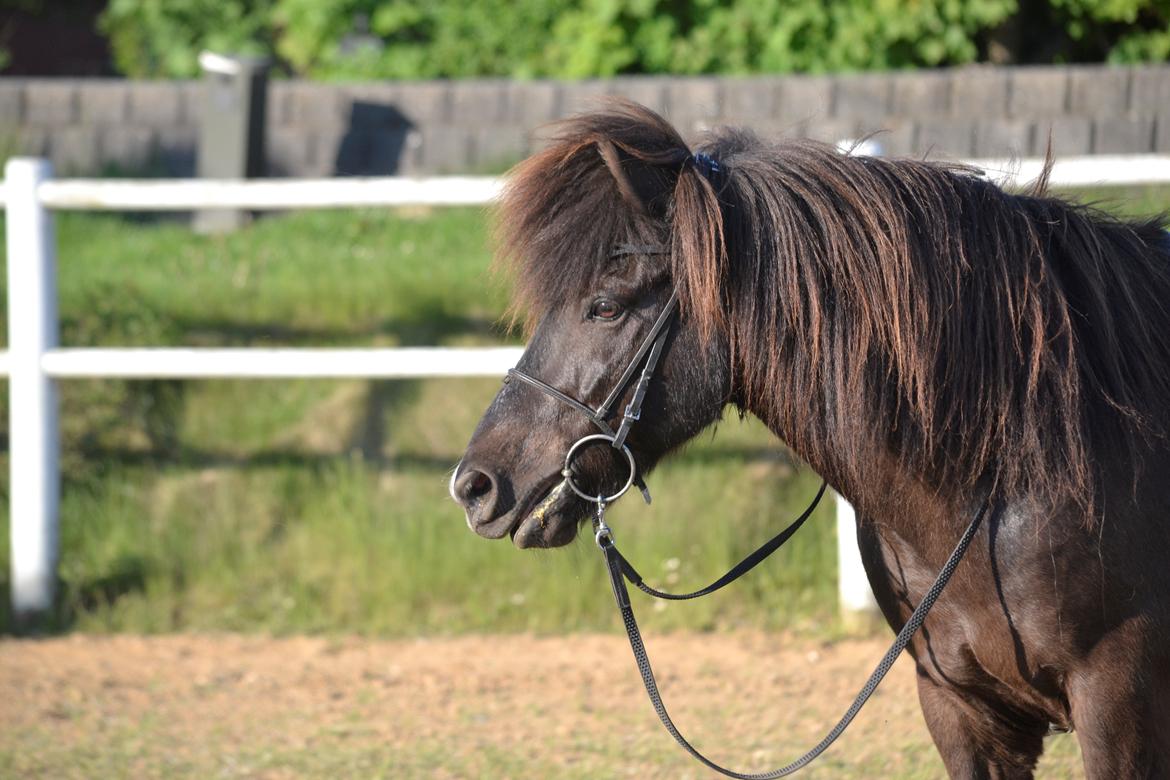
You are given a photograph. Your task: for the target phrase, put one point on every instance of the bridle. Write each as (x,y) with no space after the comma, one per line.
(650,350)
(621,570)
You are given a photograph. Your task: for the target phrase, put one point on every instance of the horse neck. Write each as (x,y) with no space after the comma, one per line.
(884,490)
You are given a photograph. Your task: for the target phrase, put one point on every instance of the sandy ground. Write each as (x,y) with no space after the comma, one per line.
(506,706)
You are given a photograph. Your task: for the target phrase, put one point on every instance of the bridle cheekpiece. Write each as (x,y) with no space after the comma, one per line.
(649,351)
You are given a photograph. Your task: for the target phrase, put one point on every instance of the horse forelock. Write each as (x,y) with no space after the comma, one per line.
(904,305)
(562,212)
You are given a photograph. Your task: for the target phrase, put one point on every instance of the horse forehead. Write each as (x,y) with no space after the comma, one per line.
(634,269)
(629,272)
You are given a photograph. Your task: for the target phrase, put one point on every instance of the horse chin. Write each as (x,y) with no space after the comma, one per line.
(551,523)
(556,532)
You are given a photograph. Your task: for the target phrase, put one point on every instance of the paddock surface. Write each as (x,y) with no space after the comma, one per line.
(477,706)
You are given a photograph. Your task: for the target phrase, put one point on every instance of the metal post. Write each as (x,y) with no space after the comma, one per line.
(858,607)
(32,426)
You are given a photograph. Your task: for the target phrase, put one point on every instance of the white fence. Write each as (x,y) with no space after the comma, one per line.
(34,362)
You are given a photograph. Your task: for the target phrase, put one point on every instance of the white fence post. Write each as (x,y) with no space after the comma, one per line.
(32,396)
(857,603)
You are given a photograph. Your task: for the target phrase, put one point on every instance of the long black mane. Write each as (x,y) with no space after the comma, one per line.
(900,304)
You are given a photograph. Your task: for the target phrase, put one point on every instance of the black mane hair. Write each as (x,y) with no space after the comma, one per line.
(901,304)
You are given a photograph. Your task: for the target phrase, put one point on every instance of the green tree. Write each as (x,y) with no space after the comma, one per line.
(372,39)
(163,38)
(416,39)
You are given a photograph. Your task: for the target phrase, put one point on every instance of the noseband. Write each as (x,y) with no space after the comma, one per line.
(650,350)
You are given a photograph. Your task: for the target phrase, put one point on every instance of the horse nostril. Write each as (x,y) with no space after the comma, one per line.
(479,485)
(473,485)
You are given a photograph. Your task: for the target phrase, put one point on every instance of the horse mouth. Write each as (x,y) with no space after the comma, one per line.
(546,521)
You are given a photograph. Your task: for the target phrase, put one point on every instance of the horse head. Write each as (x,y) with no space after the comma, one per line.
(595,228)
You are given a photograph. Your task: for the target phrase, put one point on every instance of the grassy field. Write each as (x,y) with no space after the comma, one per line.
(321,506)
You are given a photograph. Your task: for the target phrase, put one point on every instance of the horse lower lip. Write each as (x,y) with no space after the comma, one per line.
(538,513)
(492,529)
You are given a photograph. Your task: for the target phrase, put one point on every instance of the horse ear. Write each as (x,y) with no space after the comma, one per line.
(646,187)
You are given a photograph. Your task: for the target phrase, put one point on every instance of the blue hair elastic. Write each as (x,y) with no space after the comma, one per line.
(706,164)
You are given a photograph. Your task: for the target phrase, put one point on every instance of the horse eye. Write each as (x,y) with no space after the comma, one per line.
(605,309)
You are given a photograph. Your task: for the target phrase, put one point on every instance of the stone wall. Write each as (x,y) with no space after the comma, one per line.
(90,126)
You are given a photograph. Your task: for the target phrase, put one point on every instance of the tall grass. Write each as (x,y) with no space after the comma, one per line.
(321,505)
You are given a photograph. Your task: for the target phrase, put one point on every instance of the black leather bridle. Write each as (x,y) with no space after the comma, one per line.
(650,350)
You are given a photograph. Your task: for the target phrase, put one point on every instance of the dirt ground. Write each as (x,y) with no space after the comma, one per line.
(497,706)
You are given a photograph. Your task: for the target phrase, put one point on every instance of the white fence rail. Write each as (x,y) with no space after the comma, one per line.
(33,361)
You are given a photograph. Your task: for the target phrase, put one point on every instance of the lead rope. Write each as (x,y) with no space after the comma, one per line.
(617,567)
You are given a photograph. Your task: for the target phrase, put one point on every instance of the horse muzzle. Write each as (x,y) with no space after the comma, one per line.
(545,515)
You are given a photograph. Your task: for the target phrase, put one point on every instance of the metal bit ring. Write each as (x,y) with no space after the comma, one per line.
(567,472)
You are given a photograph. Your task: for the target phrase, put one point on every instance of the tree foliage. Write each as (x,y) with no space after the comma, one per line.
(163,38)
(371,39)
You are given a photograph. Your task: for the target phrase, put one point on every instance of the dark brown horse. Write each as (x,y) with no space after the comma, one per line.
(926,342)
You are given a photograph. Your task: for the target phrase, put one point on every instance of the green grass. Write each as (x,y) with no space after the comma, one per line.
(321,505)
(340,543)
(322,277)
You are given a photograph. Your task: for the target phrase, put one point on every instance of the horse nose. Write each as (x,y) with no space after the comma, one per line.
(473,485)
(475,491)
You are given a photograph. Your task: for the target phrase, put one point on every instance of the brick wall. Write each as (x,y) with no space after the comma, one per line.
(94,125)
